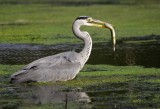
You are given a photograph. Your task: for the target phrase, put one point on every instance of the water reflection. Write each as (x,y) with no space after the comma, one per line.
(119,95)
(145,54)
(52,95)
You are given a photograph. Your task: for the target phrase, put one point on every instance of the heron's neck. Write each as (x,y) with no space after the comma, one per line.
(85,53)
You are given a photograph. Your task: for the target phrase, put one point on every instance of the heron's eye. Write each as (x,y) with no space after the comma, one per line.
(89,19)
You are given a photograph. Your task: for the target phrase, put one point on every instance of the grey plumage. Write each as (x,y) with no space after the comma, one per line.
(61,67)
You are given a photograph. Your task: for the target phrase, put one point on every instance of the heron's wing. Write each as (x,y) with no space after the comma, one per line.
(58,67)
(54,60)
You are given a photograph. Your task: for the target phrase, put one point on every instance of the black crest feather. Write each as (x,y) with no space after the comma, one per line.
(82,17)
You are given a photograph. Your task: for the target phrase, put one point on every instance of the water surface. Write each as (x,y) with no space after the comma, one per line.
(132,94)
(144,54)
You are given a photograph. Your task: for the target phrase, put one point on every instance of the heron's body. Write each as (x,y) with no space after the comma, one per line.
(61,67)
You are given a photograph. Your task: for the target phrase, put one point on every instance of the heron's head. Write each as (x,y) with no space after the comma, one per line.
(89,21)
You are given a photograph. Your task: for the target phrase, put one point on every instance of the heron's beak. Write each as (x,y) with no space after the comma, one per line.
(100,24)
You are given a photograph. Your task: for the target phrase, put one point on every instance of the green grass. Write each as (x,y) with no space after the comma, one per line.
(47,24)
(102,73)
(95,75)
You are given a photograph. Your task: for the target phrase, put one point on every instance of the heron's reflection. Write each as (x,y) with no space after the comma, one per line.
(54,95)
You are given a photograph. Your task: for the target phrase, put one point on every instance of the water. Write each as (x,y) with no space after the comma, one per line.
(144,54)
(122,95)
(42,96)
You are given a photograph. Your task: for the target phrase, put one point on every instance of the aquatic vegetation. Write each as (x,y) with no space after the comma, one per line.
(105,86)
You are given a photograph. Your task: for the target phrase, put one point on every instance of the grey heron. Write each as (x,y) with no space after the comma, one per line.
(63,66)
